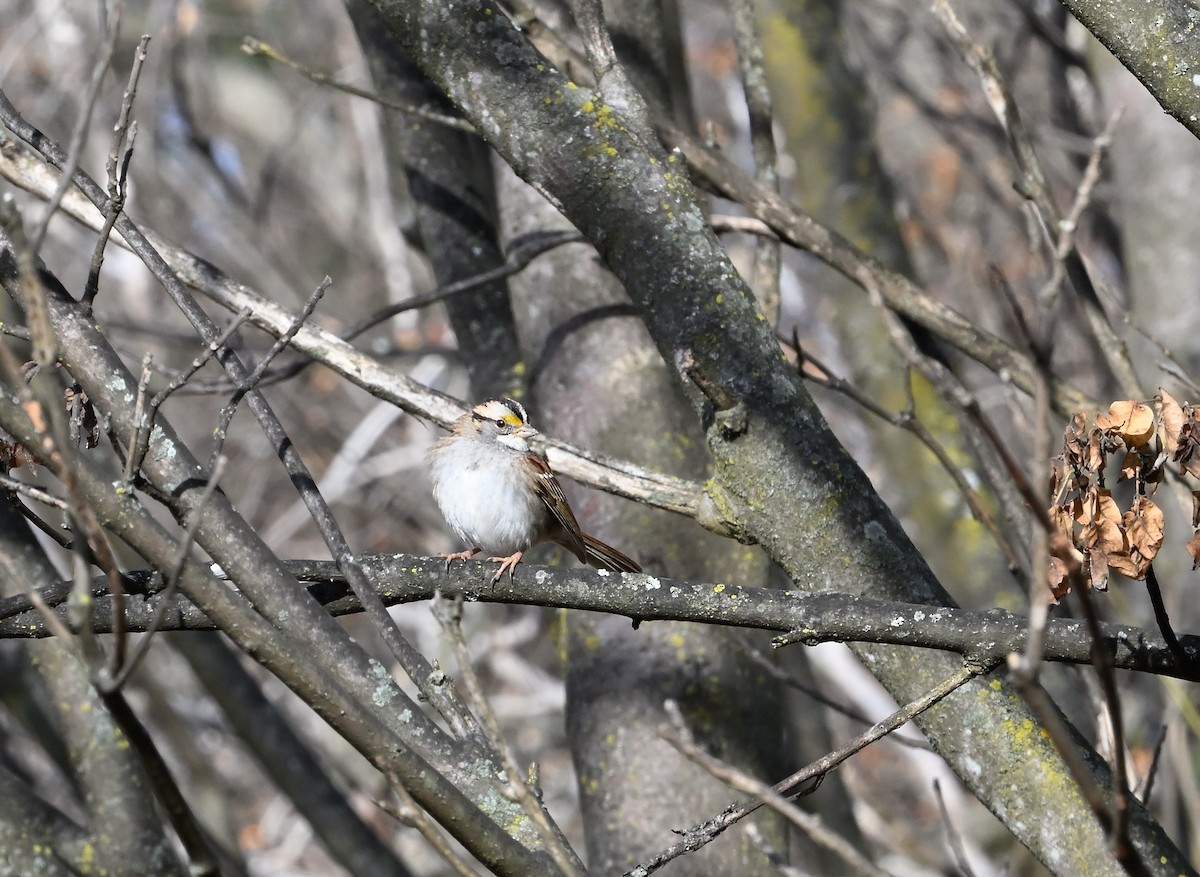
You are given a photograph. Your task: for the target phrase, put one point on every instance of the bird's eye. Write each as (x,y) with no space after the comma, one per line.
(501,424)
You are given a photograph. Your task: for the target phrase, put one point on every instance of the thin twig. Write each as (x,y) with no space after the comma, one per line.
(140,441)
(257,48)
(678,735)
(79,133)
(1171,364)
(700,835)
(54,533)
(32,492)
(1039,596)
(119,156)
(777,860)
(1064,245)
(597,44)
(1032,183)
(252,380)
(53,621)
(172,580)
(1123,849)
(908,421)
(779,675)
(612,82)
(136,451)
(952,836)
(521,252)
(1051,721)
(449,615)
(765,279)
(45,405)
(742,225)
(1160,613)
(1146,787)
(409,812)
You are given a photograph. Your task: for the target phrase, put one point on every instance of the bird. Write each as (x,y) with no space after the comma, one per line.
(501,497)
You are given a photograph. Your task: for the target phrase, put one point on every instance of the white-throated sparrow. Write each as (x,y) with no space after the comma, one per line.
(501,498)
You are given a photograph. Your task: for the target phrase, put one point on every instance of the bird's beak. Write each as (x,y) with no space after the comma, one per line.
(525,432)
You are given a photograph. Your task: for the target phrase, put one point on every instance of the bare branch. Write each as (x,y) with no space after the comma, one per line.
(145,415)
(449,615)
(700,835)
(797,229)
(409,812)
(1033,185)
(798,617)
(172,579)
(677,734)
(765,281)
(119,156)
(252,380)
(257,48)
(69,162)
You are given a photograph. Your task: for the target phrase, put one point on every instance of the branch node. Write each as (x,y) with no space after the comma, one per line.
(716,514)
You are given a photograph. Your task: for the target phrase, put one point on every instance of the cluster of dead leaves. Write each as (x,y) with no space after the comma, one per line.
(82,422)
(1097,535)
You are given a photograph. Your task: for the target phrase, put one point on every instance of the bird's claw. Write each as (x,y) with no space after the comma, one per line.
(458,555)
(506,563)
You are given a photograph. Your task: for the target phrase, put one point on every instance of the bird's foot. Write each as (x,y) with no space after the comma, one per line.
(506,563)
(458,555)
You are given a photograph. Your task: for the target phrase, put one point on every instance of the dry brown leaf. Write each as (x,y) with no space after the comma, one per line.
(1144,528)
(1098,570)
(1073,438)
(1170,420)
(1063,520)
(1195,509)
(1056,577)
(1193,548)
(14,456)
(84,423)
(1127,565)
(1058,471)
(1189,444)
(1132,421)
(1094,455)
(1097,505)
(1109,537)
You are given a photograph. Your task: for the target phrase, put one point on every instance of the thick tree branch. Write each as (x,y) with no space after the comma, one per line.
(808,618)
(1158,42)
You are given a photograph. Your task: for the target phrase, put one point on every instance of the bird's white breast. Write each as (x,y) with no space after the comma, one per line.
(484,497)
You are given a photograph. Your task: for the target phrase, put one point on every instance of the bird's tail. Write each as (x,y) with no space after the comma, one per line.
(605,556)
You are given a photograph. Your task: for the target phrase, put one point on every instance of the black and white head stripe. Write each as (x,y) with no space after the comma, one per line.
(508,411)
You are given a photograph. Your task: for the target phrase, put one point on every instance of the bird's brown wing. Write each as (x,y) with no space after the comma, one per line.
(552,495)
